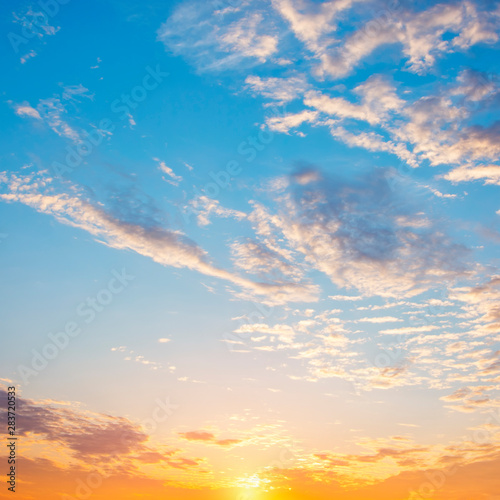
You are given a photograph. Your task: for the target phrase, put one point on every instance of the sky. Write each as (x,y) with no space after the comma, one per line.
(249,249)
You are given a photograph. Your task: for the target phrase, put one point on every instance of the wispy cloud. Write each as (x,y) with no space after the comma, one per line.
(164,246)
(279,89)
(163,167)
(52,111)
(209,438)
(206,207)
(354,233)
(380,319)
(27,110)
(420,36)
(219,39)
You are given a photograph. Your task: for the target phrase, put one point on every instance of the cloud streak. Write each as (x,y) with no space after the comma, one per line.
(164,246)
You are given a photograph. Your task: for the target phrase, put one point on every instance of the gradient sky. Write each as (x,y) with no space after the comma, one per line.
(249,248)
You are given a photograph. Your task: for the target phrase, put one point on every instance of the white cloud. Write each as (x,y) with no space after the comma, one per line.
(242,38)
(36,25)
(435,128)
(406,330)
(164,246)
(378,99)
(278,89)
(489,173)
(29,55)
(205,207)
(26,110)
(421,34)
(257,258)
(163,167)
(286,122)
(210,42)
(338,106)
(346,297)
(284,332)
(485,300)
(347,231)
(51,111)
(475,86)
(75,92)
(439,194)
(312,25)
(381,319)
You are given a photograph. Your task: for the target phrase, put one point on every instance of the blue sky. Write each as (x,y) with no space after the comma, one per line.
(301,199)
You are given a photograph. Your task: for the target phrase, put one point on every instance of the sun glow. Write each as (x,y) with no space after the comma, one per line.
(253,481)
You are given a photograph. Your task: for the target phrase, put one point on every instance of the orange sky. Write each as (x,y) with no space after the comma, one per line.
(44,481)
(66,450)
